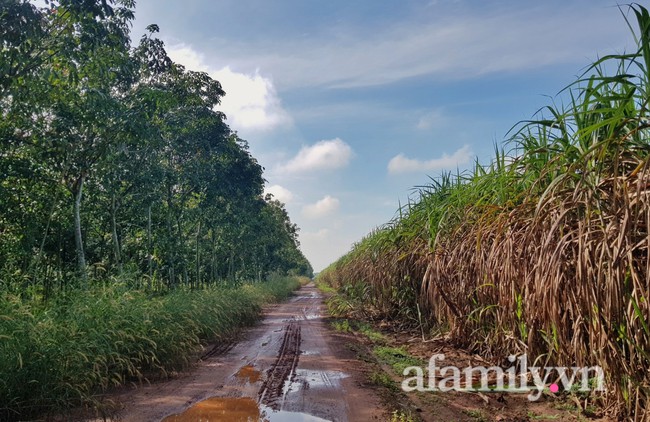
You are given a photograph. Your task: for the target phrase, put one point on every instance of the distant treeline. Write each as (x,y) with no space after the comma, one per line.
(114,162)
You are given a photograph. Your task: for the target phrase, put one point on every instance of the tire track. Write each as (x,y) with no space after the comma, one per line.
(218,349)
(283,369)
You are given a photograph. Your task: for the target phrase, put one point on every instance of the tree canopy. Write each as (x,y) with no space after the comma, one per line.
(114,160)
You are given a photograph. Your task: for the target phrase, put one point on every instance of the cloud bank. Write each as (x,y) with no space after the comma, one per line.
(280,193)
(431,119)
(402,164)
(326,206)
(251,102)
(324,155)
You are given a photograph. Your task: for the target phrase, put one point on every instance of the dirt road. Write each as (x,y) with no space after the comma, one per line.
(287,368)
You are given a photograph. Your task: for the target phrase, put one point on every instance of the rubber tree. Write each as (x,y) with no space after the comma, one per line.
(89,75)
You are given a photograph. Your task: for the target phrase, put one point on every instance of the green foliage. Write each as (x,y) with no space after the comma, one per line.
(113,161)
(372,335)
(397,357)
(400,416)
(85,341)
(342,326)
(476,415)
(363,328)
(382,379)
(325,288)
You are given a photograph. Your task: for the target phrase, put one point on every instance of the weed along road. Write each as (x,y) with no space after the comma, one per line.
(289,367)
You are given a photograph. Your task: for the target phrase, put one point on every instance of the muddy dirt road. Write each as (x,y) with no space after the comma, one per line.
(287,368)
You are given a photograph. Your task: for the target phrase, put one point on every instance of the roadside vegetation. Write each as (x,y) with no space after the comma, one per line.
(133,223)
(542,251)
(64,354)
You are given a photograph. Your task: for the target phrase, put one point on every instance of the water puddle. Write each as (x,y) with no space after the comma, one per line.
(310,314)
(273,321)
(243,409)
(284,416)
(248,374)
(307,379)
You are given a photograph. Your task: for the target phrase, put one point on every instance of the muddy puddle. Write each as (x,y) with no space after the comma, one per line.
(309,315)
(219,409)
(305,379)
(242,409)
(248,374)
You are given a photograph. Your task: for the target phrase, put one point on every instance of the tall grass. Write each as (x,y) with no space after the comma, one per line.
(62,354)
(545,250)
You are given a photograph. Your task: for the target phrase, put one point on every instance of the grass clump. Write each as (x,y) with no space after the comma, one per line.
(382,379)
(361,327)
(372,335)
(397,357)
(400,416)
(476,415)
(325,288)
(535,417)
(342,326)
(61,354)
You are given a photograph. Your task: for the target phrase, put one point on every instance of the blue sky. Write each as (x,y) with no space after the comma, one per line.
(349,104)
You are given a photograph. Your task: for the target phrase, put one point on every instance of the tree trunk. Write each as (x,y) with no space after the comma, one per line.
(39,258)
(214,258)
(116,241)
(231,266)
(149,251)
(59,258)
(171,246)
(198,257)
(78,240)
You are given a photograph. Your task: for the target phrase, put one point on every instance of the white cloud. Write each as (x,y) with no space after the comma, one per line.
(280,193)
(251,101)
(322,208)
(323,155)
(403,164)
(185,55)
(431,119)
